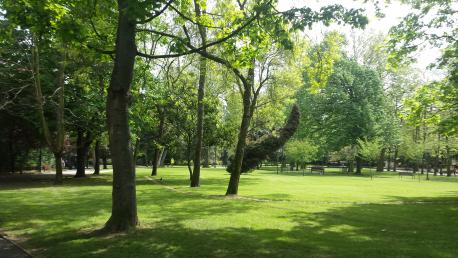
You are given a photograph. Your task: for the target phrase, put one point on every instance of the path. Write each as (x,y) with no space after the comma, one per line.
(10,250)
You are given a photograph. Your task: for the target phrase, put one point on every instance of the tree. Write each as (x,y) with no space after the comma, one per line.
(345,110)
(369,150)
(52,31)
(431,23)
(257,151)
(301,152)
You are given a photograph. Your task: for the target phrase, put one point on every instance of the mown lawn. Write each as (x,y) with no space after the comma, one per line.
(286,215)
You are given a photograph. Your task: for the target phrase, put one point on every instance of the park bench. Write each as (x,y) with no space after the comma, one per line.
(411,174)
(318,169)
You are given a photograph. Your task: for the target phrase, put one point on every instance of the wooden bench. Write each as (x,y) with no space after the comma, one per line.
(411,174)
(318,169)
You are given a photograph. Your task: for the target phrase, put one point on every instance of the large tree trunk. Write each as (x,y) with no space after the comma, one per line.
(124,203)
(381,160)
(82,148)
(97,158)
(233,186)
(157,150)
(162,157)
(58,162)
(188,156)
(155,161)
(258,151)
(195,179)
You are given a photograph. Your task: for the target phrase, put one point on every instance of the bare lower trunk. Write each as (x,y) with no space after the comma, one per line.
(163,156)
(82,148)
(155,161)
(195,179)
(58,162)
(97,158)
(233,186)
(124,203)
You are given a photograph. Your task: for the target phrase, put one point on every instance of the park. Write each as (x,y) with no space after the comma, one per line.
(228,128)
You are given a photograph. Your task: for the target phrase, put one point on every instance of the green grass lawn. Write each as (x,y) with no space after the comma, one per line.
(286,215)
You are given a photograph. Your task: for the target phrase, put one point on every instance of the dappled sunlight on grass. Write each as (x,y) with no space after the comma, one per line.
(275,216)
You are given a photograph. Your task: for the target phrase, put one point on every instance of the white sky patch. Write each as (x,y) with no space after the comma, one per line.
(394,12)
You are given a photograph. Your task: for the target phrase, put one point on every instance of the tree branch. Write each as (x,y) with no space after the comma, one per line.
(156,14)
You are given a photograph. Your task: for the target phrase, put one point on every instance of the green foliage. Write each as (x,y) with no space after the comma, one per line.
(346,110)
(369,150)
(321,59)
(301,151)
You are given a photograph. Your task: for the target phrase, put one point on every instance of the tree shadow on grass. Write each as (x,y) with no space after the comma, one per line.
(352,231)
(57,224)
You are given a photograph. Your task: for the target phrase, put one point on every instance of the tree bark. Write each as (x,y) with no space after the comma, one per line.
(58,162)
(157,150)
(97,158)
(188,155)
(82,147)
(162,157)
(155,161)
(195,179)
(233,186)
(124,204)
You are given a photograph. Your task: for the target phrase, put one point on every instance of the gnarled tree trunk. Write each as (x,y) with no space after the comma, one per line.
(259,150)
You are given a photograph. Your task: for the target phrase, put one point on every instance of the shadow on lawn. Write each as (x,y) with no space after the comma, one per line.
(412,230)
(57,227)
(356,231)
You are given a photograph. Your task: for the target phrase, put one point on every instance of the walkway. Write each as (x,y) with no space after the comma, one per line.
(9,250)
